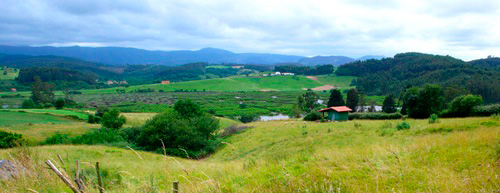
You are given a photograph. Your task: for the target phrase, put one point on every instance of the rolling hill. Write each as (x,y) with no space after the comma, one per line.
(124,56)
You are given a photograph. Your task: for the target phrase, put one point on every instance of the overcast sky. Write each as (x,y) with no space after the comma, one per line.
(466,29)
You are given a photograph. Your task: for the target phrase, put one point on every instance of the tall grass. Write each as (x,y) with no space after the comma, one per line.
(277,156)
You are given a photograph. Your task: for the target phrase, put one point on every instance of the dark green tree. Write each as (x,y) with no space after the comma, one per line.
(362,103)
(28,104)
(113,119)
(352,99)
(389,105)
(336,98)
(188,108)
(5,72)
(423,101)
(463,105)
(42,92)
(59,104)
(308,101)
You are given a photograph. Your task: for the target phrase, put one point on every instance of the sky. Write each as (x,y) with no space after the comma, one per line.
(465,29)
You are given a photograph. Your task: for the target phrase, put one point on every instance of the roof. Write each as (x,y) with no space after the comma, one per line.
(338,109)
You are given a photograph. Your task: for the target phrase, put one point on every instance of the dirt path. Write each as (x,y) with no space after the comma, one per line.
(324,87)
(312,77)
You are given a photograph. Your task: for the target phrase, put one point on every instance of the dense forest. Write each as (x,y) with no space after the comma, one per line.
(306,70)
(393,75)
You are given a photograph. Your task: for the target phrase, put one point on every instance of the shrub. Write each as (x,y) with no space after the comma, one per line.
(58,138)
(403,126)
(28,104)
(59,104)
(463,105)
(101,136)
(181,136)
(101,110)
(486,110)
(375,116)
(434,118)
(8,139)
(113,119)
(248,118)
(187,108)
(313,116)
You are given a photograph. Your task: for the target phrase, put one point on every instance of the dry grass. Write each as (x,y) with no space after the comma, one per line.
(456,155)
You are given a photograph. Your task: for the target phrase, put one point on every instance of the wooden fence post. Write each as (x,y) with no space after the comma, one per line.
(176,187)
(64,179)
(78,180)
(99,178)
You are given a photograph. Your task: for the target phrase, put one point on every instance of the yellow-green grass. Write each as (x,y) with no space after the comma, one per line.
(455,155)
(37,133)
(59,112)
(334,80)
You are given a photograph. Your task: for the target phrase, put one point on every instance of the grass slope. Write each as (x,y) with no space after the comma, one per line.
(58,112)
(456,155)
(16,118)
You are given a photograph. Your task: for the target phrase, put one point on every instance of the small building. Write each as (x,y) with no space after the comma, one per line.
(13,90)
(338,113)
(276,74)
(288,74)
(165,82)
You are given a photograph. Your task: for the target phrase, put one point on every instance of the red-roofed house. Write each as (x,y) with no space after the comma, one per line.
(339,113)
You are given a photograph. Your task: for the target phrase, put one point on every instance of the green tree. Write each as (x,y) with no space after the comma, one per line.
(5,72)
(113,119)
(389,105)
(8,139)
(308,101)
(28,104)
(336,98)
(423,101)
(180,135)
(101,110)
(362,103)
(188,108)
(463,105)
(352,99)
(59,104)
(42,92)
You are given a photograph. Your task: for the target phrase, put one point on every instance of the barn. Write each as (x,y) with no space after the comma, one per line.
(338,113)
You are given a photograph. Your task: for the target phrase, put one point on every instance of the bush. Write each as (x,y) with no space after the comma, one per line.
(58,138)
(375,116)
(101,110)
(181,136)
(486,110)
(8,139)
(113,119)
(403,126)
(101,136)
(59,104)
(463,105)
(187,108)
(313,116)
(248,118)
(28,104)
(434,118)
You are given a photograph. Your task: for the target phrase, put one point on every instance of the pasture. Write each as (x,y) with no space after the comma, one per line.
(455,155)
(16,118)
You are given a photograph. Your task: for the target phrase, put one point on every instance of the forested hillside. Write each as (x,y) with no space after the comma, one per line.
(392,75)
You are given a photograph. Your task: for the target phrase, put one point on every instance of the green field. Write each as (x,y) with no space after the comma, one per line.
(455,155)
(16,118)
(80,115)
(11,75)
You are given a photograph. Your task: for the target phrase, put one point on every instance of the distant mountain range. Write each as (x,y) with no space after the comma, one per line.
(123,56)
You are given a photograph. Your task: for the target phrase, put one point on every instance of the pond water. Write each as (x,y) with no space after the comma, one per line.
(274,117)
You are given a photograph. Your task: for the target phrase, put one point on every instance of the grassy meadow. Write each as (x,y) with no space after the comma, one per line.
(455,155)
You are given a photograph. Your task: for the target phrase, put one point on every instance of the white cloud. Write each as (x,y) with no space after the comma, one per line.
(461,28)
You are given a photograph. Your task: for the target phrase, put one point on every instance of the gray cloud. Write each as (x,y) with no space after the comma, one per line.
(461,28)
